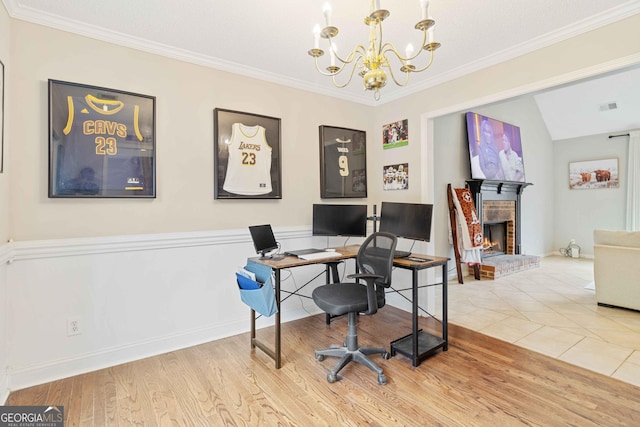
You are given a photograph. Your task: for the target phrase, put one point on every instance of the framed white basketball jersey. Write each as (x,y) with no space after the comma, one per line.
(246,155)
(249,161)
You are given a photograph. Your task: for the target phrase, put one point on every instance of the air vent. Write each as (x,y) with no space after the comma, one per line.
(609,106)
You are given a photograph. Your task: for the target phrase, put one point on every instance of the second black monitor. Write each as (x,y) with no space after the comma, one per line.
(339,220)
(408,220)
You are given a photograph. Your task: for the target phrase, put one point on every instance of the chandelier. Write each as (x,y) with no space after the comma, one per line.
(372,60)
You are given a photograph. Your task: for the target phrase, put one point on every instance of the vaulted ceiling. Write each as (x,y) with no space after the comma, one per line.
(269,39)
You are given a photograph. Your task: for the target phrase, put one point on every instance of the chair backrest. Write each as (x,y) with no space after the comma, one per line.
(376,257)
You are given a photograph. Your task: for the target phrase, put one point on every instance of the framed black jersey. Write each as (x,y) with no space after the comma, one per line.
(343,163)
(246,156)
(101,142)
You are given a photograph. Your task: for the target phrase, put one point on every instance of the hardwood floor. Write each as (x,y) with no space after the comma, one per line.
(479,381)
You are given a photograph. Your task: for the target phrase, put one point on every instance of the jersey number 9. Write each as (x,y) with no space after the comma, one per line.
(343,163)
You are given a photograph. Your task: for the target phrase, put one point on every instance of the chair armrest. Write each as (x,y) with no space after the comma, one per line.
(364,276)
(372,297)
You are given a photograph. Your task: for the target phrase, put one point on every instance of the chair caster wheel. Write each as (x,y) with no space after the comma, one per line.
(320,357)
(332,378)
(382,379)
(386,355)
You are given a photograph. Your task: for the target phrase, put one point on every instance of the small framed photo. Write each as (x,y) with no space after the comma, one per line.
(101,142)
(594,174)
(395,134)
(395,177)
(247,156)
(343,163)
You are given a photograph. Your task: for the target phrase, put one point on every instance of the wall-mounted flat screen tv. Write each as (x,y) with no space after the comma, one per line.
(339,220)
(495,149)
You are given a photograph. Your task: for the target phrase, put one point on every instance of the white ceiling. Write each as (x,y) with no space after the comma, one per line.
(609,103)
(270,39)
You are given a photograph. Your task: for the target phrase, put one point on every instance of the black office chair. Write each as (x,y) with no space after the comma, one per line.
(375,262)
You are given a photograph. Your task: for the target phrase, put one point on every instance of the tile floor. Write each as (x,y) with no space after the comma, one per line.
(549,310)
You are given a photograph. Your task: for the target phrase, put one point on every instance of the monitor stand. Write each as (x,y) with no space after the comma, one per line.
(274,257)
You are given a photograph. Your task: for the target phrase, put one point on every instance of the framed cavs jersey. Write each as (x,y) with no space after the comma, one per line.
(101,142)
(247,156)
(343,163)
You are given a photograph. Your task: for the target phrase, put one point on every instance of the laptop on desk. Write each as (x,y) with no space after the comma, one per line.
(302,252)
(314,254)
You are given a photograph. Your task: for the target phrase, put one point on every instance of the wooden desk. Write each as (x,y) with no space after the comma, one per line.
(347,252)
(416,345)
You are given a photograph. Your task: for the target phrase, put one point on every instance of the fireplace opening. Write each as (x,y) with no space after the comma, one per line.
(495,239)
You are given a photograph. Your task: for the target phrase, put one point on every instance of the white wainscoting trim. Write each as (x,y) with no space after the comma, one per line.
(17,375)
(24,250)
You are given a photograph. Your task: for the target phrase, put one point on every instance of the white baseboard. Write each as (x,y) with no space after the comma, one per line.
(183,296)
(81,364)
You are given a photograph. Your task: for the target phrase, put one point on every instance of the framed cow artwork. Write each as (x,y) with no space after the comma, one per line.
(592,174)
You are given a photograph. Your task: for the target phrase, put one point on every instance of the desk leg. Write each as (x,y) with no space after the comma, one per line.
(414,326)
(445,333)
(274,354)
(253,328)
(278,352)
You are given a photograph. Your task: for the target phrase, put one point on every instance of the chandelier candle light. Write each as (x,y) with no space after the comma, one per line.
(372,59)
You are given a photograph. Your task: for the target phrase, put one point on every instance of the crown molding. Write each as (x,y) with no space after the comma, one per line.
(619,13)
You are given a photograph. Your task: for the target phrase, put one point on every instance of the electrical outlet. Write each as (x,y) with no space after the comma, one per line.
(73,326)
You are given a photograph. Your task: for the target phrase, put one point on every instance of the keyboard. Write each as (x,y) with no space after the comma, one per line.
(319,255)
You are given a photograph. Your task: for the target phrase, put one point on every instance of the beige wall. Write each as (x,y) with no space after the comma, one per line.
(4,177)
(579,57)
(187,94)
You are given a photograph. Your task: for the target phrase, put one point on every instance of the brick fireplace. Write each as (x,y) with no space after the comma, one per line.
(499,227)
(499,209)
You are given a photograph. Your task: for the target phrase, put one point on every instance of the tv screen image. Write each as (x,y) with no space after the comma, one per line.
(407,220)
(495,149)
(263,239)
(339,220)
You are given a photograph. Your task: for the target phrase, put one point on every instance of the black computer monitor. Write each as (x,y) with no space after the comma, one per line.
(407,220)
(339,220)
(263,239)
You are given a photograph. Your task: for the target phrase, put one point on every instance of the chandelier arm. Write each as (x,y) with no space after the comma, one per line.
(389,47)
(351,56)
(418,70)
(323,72)
(353,69)
(393,77)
